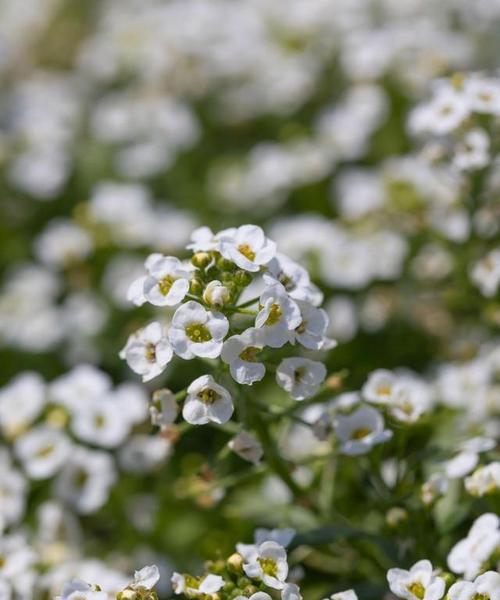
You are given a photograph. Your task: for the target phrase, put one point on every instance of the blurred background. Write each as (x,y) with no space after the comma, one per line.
(124,125)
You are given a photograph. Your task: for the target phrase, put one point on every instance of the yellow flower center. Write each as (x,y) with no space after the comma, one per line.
(166,283)
(360,433)
(150,352)
(274,315)
(384,390)
(208,396)
(481,597)
(250,354)
(99,421)
(198,333)
(417,589)
(246,251)
(268,566)
(298,374)
(301,328)
(81,478)
(45,451)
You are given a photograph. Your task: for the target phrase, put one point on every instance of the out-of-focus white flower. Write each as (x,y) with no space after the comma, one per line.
(148,351)
(278,316)
(411,398)
(283,537)
(42,451)
(483,94)
(379,388)
(486,585)
(196,331)
(342,317)
(486,273)
(163,408)
(435,487)
(247,247)
(82,383)
(346,595)
(240,352)
(291,591)
(266,562)
(143,453)
(300,377)
(62,242)
(360,431)
(419,583)
(13,489)
(472,152)
(443,114)
(85,480)
(468,457)
(207,401)
(247,447)
(469,555)
(485,480)
(21,402)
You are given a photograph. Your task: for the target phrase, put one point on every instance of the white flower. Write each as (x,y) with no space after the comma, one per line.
(247,447)
(42,451)
(163,408)
(207,401)
(294,278)
(444,113)
(256,596)
(12,492)
(485,587)
(300,377)
(146,578)
(79,590)
(62,242)
(311,332)
(483,94)
(204,240)
(86,479)
(21,402)
(472,151)
(166,283)
(196,331)
(486,273)
(436,486)
(247,247)
(266,562)
(379,388)
(82,383)
(411,398)
(485,480)
(469,555)
(148,351)
(16,557)
(291,591)
(240,353)
(360,431)
(278,316)
(468,457)
(216,294)
(419,583)
(101,421)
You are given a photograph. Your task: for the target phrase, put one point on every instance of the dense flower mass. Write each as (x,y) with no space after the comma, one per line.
(250,300)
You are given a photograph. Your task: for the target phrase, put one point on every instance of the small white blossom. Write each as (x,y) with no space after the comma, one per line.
(166,283)
(486,273)
(79,590)
(207,401)
(483,94)
(247,447)
(485,587)
(266,562)
(278,316)
(163,408)
(294,278)
(379,388)
(240,352)
(419,583)
(472,152)
(247,247)
(196,331)
(291,591)
(360,431)
(435,487)
(148,351)
(485,480)
(42,451)
(468,556)
(300,377)
(311,333)
(346,595)
(283,537)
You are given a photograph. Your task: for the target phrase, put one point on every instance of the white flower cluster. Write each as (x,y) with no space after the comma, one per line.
(212,310)
(67,431)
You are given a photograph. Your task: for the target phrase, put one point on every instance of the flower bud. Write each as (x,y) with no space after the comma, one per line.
(216,294)
(201,260)
(395,516)
(225,265)
(235,562)
(195,287)
(242,278)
